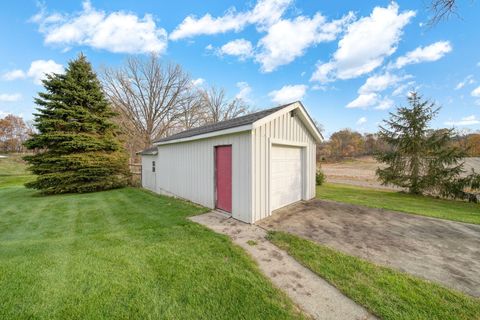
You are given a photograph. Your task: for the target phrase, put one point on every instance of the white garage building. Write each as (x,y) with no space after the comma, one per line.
(247,166)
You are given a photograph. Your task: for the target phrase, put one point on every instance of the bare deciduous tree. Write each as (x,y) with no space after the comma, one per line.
(147,94)
(132,141)
(190,112)
(154,100)
(218,107)
(442,10)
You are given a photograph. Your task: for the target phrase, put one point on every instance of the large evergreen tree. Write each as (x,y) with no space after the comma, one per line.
(78,150)
(421,159)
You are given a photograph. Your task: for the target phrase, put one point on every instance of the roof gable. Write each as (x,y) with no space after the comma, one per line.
(302,114)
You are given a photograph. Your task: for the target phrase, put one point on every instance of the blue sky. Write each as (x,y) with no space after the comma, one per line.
(349,62)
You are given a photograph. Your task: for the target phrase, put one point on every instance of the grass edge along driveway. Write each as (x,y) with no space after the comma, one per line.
(389,294)
(123,254)
(402,202)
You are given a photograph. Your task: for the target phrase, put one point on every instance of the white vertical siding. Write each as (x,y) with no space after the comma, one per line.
(148,177)
(187,170)
(289,130)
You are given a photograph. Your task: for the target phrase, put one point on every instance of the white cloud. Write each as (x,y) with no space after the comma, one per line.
(432,52)
(13,75)
(410,94)
(318,87)
(324,71)
(244,92)
(466,121)
(361,121)
(288,93)
(240,47)
(468,80)
(37,71)
(267,12)
(119,31)
(365,44)
(363,101)
(284,41)
(191,26)
(263,14)
(384,104)
(6,97)
(476,92)
(401,88)
(368,93)
(288,39)
(39,68)
(198,82)
(380,82)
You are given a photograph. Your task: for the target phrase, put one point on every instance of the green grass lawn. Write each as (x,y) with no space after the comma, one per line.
(13,165)
(13,171)
(386,293)
(123,254)
(398,201)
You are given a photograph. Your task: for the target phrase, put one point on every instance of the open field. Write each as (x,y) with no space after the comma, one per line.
(387,293)
(123,254)
(361,171)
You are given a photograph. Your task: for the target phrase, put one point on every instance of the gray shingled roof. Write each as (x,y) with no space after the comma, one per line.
(149,151)
(222,125)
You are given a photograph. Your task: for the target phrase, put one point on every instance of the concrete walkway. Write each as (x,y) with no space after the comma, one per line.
(311,293)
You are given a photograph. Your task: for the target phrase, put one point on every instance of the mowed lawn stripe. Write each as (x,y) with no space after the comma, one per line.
(123,254)
(387,293)
(398,201)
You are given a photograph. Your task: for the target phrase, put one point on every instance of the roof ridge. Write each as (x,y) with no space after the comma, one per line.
(221,125)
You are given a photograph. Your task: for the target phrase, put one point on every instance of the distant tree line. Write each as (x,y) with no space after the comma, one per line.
(470,142)
(347,143)
(13,133)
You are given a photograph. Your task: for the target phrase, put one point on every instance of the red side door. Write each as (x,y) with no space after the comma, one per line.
(223,177)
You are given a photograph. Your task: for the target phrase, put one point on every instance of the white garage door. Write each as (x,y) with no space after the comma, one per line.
(286,176)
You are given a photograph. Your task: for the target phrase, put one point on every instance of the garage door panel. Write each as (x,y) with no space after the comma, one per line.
(286,176)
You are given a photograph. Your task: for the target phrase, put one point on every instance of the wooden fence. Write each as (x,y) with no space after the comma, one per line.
(136,171)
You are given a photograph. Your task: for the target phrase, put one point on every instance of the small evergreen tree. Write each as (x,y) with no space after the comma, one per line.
(421,159)
(76,139)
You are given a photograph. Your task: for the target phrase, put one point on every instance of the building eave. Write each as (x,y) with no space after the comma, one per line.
(208,135)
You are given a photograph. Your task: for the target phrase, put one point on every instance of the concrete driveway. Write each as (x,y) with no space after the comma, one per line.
(443,251)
